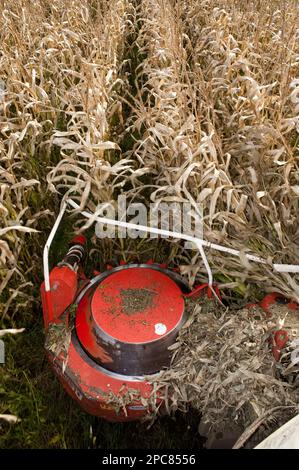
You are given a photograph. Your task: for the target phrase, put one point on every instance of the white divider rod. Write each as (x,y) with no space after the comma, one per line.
(48,244)
(282,268)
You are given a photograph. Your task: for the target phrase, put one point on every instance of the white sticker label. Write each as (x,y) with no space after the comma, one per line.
(160,329)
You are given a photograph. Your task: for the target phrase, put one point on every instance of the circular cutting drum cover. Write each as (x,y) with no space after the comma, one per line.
(127,321)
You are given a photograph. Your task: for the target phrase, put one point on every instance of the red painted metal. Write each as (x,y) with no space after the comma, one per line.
(278,340)
(92,387)
(272,299)
(125,337)
(124,323)
(64,286)
(78,239)
(279,337)
(203,289)
(85,328)
(90,375)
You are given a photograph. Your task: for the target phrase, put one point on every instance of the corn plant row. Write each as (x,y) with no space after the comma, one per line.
(219,110)
(59,66)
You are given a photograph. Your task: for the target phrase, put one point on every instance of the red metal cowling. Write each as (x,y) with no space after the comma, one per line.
(120,324)
(63,282)
(64,286)
(129,319)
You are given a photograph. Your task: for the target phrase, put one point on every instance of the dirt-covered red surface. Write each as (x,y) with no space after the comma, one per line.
(136,300)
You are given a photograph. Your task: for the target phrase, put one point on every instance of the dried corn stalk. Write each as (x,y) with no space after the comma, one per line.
(223,366)
(217,113)
(59,68)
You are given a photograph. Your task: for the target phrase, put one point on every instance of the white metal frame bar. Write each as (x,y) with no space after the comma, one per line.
(282,268)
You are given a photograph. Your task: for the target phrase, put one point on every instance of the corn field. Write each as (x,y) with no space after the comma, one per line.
(160,100)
